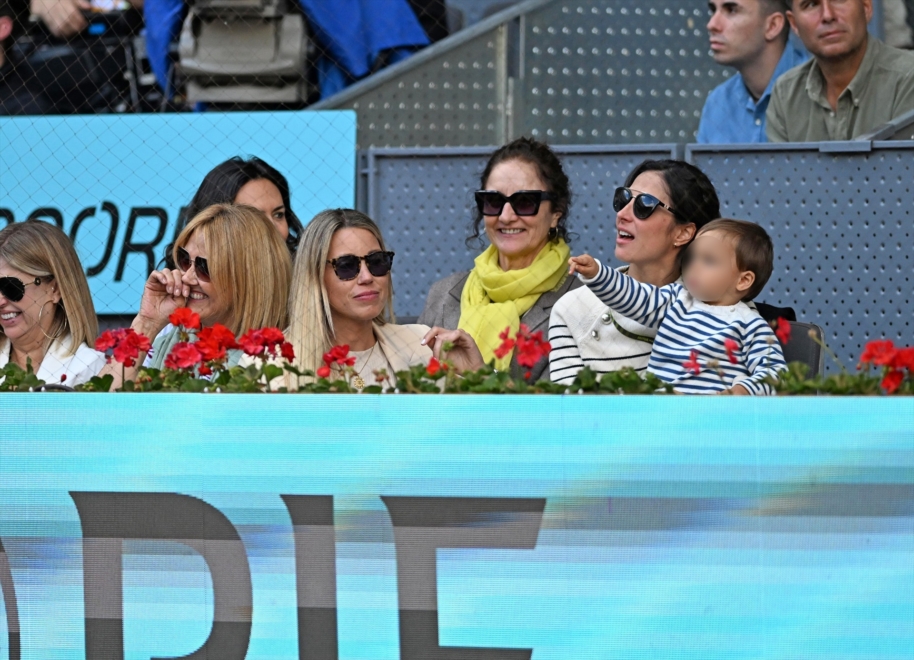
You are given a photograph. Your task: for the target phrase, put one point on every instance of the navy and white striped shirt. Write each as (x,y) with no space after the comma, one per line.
(686,324)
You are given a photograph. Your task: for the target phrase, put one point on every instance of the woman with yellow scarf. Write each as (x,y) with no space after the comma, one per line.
(523,206)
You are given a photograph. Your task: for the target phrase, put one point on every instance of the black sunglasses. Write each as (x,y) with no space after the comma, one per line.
(199,263)
(13,289)
(347,267)
(524,202)
(644,204)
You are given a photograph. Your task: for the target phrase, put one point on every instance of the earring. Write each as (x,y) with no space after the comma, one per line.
(40,312)
(553,232)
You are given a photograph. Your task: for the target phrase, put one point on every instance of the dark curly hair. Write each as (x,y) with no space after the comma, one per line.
(548,168)
(692,194)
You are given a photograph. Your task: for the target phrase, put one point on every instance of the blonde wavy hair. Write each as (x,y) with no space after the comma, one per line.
(310,318)
(41,250)
(248,260)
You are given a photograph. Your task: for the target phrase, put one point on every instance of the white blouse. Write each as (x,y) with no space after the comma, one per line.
(78,367)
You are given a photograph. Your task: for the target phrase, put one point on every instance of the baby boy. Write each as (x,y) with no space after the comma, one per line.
(709,340)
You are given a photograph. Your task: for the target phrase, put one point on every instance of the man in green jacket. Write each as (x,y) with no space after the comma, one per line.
(853,83)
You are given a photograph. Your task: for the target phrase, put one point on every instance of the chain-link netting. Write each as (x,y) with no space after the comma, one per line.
(126,119)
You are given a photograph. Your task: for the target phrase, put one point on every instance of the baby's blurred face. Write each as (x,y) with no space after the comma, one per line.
(710,273)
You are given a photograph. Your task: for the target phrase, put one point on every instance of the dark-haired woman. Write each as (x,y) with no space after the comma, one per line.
(659,209)
(249,182)
(523,207)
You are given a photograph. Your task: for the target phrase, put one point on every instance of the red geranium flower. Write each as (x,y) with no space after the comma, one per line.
(213,342)
(880,352)
(507,344)
(531,347)
(339,355)
(892,380)
(692,364)
(184,317)
(433,368)
(731,347)
(204,370)
(105,341)
(126,342)
(323,372)
(287,351)
(904,359)
(783,330)
(183,355)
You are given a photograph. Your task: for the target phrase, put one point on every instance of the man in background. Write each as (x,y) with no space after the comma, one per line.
(752,36)
(853,84)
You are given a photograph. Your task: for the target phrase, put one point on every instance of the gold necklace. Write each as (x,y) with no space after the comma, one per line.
(358,381)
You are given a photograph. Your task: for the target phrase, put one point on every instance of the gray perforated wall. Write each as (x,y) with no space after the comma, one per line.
(843,228)
(422,199)
(570,71)
(615,71)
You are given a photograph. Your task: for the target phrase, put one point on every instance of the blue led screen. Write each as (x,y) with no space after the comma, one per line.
(425,527)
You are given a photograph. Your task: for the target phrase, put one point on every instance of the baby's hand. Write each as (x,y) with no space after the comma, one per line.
(585,265)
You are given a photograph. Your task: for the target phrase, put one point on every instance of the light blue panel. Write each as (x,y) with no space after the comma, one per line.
(691,528)
(158,161)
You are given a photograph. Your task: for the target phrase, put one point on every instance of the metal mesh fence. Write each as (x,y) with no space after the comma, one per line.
(121,114)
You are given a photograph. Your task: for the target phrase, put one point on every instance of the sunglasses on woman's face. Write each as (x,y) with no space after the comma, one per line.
(347,267)
(524,202)
(13,289)
(201,268)
(644,204)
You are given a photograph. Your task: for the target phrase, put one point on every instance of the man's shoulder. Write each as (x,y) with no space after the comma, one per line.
(726,91)
(894,60)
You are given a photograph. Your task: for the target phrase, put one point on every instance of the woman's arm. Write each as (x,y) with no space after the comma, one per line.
(645,303)
(163,294)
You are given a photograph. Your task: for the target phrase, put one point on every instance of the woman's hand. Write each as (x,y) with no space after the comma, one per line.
(464,353)
(163,294)
(586,265)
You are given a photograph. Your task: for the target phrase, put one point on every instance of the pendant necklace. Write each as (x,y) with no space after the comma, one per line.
(358,381)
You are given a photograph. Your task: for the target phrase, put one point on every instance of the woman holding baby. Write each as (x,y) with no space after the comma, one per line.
(659,209)
(614,321)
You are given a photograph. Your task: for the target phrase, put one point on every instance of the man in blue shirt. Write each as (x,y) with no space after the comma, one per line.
(752,36)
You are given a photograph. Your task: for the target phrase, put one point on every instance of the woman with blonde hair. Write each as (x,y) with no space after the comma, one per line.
(220,277)
(47,318)
(342,295)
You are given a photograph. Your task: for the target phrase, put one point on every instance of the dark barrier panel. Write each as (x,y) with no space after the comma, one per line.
(842,219)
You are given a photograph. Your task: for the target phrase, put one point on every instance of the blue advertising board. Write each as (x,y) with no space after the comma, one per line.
(429,527)
(116,184)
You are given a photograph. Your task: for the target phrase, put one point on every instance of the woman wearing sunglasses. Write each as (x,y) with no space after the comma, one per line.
(342,295)
(46,313)
(659,209)
(523,207)
(233,268)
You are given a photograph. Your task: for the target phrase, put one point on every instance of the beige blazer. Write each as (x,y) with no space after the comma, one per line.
(400,344)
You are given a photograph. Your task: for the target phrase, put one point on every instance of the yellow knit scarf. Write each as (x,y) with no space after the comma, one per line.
(494,299)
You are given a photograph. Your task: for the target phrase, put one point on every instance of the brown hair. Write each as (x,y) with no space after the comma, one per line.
(248,260)
(754,250)
(548,168)
(41,249)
